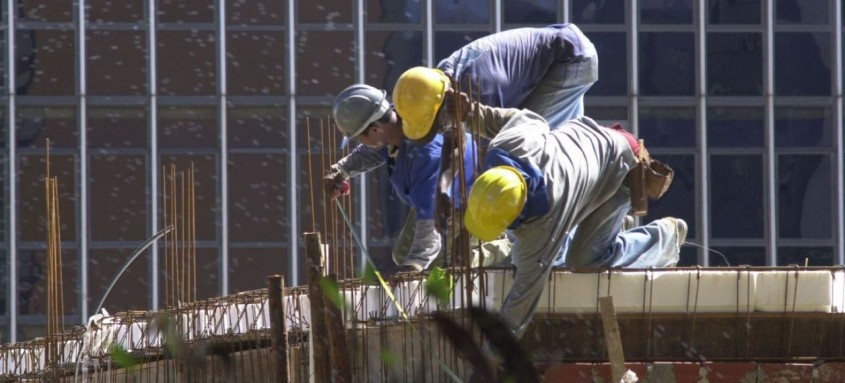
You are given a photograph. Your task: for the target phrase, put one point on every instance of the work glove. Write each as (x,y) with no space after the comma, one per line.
(335,184)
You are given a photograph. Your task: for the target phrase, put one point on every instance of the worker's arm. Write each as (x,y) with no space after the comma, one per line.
(362,159)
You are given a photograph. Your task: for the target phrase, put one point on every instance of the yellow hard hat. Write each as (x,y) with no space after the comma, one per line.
(495,201)
(417,97)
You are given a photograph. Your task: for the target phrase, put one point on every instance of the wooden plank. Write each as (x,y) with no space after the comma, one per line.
(278,337)
(612,338)
(315,265)
(341,364)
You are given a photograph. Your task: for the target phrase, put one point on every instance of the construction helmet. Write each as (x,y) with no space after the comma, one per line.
(417,95)
(358,106)
(495,201)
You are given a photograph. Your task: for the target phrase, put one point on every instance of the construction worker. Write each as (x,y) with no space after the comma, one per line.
(363,113)
(542,183)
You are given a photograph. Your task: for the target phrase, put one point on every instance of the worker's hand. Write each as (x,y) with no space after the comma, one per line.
(456,107)
(335,184)
(443,211)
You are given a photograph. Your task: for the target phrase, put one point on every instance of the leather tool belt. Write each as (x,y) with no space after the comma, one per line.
(648,180)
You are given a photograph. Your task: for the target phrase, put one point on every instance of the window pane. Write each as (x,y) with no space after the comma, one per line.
(31,196)
(258,202)
(243,12)
(802,11)
(809,76)
(462,11)
(116,11)
(190,67)
(542,12)
(813,256)
(205,189)
(131,289)
(187,127)
(667,64)
(32,281)
(257,127)
(736,182)
(179,11)
(734,64)
(608,115)
(737,256)
(207,268)
(325,62)
(3,73)
(390,55)
(45,10)
(598,11)
(325,11)
(666,12)
(47,62)
(803,127)
(804,196)
(118,203)
(735,12)
(117,127)
(379,11)
(249,267)
(735,127)
(688,256)
(447,42)
(256,63)
(4,279)
(117,62)
(613,58)
(668,127)
(679,200)
(36,124)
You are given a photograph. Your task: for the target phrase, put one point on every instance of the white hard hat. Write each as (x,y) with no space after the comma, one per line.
(356,107)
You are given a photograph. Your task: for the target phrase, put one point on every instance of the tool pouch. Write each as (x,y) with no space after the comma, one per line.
(649,179)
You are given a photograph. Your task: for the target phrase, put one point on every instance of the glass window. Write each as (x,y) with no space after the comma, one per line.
(325,11)
(313,116)
(688,256)
(679,200)
(117,62)
(258,197)
(249,267)
(118,197)
(190,65)
(205,188)
(325,62)
(257,127)
(613,64)
(46,62)
(3,76)
(804,196)
(255,63)
(117,127)
(542,12)
(31,196)
(667,64)
(251,12)
(735,127)
(736,182)
(115,11)
(666,11)
(404,11)
(45,10)
(792,76)
(36,124)
(802,11)
(187,127)
(667,127)
(390,55)
(207,268)
(734,64)
(812,256)
(179,11)
(737,256)
(462,11)
(4,279)
(608,115)
(735,11)
(32,281)
(445,43)
(598,11)
(803,127)
(131,289)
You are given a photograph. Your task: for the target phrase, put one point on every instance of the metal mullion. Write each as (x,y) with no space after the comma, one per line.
(703,172)
(633,68)
(82,175)
(497,15)
(10,170)
(153,153)
(769,140)
(223,168)
(565,15)
(428,34)
(293,168)
(360,77)
(839,144)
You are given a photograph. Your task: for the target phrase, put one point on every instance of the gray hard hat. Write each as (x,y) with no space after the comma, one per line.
(358,106)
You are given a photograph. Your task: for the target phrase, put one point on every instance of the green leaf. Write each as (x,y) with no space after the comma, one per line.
(121,357)
(332,292)
(388,357)
(440,285)
(369,276)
